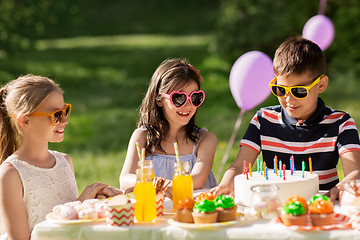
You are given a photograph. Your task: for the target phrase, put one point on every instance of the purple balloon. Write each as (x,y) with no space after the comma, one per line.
(320,30)
(249,79)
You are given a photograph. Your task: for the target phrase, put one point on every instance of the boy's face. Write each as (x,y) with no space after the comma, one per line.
(301,109)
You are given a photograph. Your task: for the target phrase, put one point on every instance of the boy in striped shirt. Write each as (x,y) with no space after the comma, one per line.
(301,126)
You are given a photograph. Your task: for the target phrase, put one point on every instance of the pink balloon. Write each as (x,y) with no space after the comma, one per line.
(320,30)
(249,79)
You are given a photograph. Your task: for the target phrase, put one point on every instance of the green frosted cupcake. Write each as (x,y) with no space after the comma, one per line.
(204,212)
(226,208)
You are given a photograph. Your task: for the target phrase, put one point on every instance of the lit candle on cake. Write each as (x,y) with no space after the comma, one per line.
(310,165)
(280,166)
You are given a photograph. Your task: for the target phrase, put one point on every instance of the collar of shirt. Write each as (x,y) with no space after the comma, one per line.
(315,118)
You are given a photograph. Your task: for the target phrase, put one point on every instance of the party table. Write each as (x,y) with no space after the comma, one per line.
(162,229)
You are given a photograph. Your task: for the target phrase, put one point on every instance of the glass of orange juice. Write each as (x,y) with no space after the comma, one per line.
(182,183)
(144,191)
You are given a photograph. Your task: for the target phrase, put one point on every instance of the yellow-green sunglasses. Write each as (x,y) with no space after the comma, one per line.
(299,92)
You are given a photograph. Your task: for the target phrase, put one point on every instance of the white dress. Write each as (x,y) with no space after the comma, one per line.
(45,188)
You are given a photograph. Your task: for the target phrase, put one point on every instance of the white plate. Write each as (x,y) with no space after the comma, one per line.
(201,226)
(52,219)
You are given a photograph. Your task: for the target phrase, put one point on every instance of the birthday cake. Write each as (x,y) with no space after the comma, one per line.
(299,183)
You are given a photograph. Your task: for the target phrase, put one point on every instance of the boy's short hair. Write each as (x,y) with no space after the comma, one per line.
(298,55)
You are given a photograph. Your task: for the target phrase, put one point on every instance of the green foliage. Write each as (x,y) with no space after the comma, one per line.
(23,21)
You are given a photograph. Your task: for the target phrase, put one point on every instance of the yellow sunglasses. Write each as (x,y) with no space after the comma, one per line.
(56,116)
(299,92)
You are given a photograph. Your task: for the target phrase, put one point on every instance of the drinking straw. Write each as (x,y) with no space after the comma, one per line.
(138,150)
(142,164)
(177,156)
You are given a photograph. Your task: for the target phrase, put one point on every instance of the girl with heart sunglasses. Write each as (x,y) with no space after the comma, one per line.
(167,115)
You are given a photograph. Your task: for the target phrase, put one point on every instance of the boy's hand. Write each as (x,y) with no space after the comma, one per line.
(334,193)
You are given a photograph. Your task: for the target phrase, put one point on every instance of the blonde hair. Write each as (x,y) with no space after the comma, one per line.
(21,96)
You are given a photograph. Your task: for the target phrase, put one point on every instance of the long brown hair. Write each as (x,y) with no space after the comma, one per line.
(21,96)
(171,74)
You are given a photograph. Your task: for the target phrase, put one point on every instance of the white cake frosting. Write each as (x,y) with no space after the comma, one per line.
(292,185)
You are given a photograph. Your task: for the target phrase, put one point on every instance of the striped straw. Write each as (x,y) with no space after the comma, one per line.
(138,150)
(177,156)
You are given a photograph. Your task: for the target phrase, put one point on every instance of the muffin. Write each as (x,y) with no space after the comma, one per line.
(204,212)
(226,208)
(294,213)
(184,211)
(321,212)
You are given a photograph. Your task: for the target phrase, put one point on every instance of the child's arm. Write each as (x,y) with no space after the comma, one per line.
(128,173)
(226,185)
(11,203)
(204,159)
(351,167)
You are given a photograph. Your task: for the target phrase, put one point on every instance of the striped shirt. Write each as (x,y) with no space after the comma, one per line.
(325,136)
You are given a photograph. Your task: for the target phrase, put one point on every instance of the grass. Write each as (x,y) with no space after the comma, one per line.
(105,78)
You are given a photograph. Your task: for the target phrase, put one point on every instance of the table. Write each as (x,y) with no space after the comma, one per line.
(161,229)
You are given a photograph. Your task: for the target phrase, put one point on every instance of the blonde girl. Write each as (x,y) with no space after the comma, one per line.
(33,179)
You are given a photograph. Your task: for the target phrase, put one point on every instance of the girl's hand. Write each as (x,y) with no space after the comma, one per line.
(109,191)
(222,190)
(91,191)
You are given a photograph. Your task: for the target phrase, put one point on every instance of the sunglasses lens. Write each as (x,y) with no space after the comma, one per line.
(67,112)
(299,92)
(178,99)
(278,91)
(197,98)
(57,117)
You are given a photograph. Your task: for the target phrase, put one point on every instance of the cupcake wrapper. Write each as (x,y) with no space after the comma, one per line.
(120,215)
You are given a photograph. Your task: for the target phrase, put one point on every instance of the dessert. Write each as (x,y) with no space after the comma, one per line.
(205,195)
(90,209)
(119,211)
(204,212)
(184,211)
(292,185)
(161,185)
(297,198)
(226,208)
(294,213)
(321,211)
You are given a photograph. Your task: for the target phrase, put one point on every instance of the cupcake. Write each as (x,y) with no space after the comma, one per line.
(318,196)
(119,211)
(205,195)
(321,212)
(226,208)
(296,198)
(204,212)
(184,211)
(294,213)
